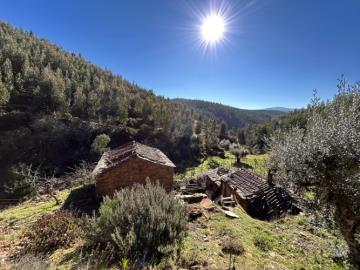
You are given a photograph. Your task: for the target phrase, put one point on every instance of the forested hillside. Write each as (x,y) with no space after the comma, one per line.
(250,127)
(54,104)
(254,136)
(233,117)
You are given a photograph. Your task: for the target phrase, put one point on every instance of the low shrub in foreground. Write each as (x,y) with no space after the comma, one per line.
(143,224)
(31,262)
(50,232)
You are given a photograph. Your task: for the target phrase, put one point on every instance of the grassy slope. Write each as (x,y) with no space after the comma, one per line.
(14,220)
(290,243)
(255,163)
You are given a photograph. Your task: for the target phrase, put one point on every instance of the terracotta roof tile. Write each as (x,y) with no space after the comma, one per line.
(130,151)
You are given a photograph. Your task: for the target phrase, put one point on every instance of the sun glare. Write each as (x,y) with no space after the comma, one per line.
(213,28)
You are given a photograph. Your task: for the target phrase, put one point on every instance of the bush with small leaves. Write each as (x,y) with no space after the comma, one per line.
(50,232)
(143,224)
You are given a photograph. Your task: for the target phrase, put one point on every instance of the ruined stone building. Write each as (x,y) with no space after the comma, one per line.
(257,197)
(132,163)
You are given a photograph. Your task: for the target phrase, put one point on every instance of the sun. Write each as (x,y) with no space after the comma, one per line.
(213,28)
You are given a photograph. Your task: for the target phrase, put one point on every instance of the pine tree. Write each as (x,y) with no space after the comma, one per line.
(8,76)
(4,93)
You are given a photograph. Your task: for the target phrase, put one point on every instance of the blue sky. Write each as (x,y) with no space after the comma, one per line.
(275,53)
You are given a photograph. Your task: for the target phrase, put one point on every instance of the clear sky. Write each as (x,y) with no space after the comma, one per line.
(275,52)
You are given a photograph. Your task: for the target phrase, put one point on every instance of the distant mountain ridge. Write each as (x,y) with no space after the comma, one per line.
(233,117)
(279,109)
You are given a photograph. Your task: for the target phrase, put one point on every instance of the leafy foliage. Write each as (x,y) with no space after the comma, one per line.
(238,151)
(326,155)
(50,232)
(143,224)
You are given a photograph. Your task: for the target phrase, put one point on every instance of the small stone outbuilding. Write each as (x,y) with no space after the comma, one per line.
(132,163)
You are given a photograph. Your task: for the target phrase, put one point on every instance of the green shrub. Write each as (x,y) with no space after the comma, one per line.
(99,144)
(50,232)
(143,224)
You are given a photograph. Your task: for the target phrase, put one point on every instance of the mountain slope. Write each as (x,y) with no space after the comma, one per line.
(233,117)
(280,109)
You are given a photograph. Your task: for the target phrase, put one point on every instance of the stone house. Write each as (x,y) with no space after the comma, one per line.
(132,163)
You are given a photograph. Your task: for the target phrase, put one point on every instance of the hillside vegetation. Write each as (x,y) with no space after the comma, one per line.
(234,118)
(249,127)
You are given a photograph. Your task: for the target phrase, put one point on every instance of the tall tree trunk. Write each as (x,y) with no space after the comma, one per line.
(349,224)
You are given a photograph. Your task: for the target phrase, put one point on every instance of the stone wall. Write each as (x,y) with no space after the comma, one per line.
(134,171)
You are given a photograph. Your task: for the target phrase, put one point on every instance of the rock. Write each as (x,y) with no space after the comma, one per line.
(207,204)
(194,212)
(193,198)
(230,214)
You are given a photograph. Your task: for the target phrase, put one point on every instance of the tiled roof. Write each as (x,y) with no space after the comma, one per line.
(266,201)
(247,183)
(130,151)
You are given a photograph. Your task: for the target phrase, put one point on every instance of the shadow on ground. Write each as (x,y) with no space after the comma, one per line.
(83,201)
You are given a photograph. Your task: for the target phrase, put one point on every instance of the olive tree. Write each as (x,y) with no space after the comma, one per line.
(99,144)
(326,155)
(238,151)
